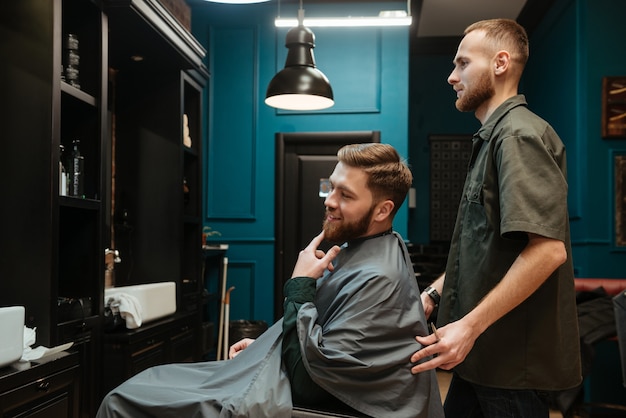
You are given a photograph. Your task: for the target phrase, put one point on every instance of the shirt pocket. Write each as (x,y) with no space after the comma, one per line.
(474,218)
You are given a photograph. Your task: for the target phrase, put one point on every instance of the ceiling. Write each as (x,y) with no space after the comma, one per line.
(451,17)
(439,24)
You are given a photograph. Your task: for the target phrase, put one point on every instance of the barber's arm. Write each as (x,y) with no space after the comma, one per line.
(431,296)
(539,259)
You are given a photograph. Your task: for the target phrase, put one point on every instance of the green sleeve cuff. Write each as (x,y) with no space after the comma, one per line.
(299,290)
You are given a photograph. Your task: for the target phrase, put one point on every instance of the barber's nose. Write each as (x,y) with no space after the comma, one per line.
(452,78)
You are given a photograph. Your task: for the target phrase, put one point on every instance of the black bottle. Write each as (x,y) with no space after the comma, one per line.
(62,173)
(76,172)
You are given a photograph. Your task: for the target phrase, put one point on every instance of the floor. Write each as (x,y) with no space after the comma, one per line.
(444,382)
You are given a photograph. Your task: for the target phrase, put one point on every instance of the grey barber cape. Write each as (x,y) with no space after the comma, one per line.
(358,337)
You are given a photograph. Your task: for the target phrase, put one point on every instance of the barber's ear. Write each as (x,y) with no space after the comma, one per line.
(501,62)
(384,210)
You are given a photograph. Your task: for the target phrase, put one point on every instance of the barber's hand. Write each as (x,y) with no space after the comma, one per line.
(238,347)
(450,346)
(313,262)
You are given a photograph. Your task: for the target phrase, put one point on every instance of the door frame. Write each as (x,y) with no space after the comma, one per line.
(307,143)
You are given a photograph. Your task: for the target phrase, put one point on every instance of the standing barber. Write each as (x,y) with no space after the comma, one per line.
(507,313)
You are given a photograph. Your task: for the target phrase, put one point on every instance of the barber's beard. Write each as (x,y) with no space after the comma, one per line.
(474,97)
(341,231)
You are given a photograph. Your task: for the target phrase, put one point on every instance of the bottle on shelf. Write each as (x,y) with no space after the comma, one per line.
(76,171)
(71,60)
(62,174)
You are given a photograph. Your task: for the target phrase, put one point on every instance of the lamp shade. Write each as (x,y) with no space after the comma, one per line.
(300,85)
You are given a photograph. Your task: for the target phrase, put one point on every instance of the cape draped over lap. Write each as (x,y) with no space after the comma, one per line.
(252,384)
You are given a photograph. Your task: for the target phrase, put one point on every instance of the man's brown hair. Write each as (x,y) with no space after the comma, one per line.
(388,176)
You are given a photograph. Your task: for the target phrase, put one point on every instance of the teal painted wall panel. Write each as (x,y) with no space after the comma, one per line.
(572,50)
(603,32)
(432,112)
(249,271)
(557,94)
(232,130)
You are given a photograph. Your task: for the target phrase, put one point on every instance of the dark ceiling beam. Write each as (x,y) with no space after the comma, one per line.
(529,17)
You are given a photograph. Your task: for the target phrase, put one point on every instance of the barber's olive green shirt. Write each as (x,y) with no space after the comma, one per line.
(516,184)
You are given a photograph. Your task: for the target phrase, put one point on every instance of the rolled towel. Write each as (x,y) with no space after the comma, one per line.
(129,308)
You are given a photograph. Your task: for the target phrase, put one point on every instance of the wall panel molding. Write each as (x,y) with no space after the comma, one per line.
(231,152)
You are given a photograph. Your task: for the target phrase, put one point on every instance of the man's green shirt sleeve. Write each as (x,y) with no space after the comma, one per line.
(304,390)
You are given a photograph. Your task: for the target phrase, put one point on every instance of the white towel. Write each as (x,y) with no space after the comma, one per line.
(129,308)
(30,354)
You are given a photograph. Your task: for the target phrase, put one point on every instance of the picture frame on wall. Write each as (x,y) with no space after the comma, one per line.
(614,107)
(620,200)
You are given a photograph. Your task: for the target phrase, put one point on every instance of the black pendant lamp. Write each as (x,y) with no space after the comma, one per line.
(300,85)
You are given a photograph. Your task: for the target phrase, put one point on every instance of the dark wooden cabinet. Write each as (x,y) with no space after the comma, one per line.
(46,388)
(136,77)
(52,243)
(157,82)
(128,352)
(156,87)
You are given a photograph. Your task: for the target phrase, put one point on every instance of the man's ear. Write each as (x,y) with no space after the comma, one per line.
(501,62)
(383,210)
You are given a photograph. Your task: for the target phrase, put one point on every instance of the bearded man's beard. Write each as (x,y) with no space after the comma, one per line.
(479,94)
(340,231)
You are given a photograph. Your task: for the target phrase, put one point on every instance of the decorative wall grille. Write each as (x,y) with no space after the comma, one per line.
(449,155)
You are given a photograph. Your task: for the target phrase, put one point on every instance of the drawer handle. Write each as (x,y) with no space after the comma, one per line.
(43,386)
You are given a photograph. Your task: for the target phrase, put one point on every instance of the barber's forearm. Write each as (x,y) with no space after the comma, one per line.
(429,302)
(539,259)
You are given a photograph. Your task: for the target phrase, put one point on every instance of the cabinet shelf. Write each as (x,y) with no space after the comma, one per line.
(78,94)
(71,330)
(79,203)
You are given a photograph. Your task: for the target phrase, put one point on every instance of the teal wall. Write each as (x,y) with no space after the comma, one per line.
(577,43)
(432,112)
(368,70)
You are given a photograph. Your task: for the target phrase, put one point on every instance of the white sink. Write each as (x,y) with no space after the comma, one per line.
(11,334)
(156,299)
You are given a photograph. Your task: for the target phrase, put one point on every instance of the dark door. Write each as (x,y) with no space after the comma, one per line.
(302,161)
